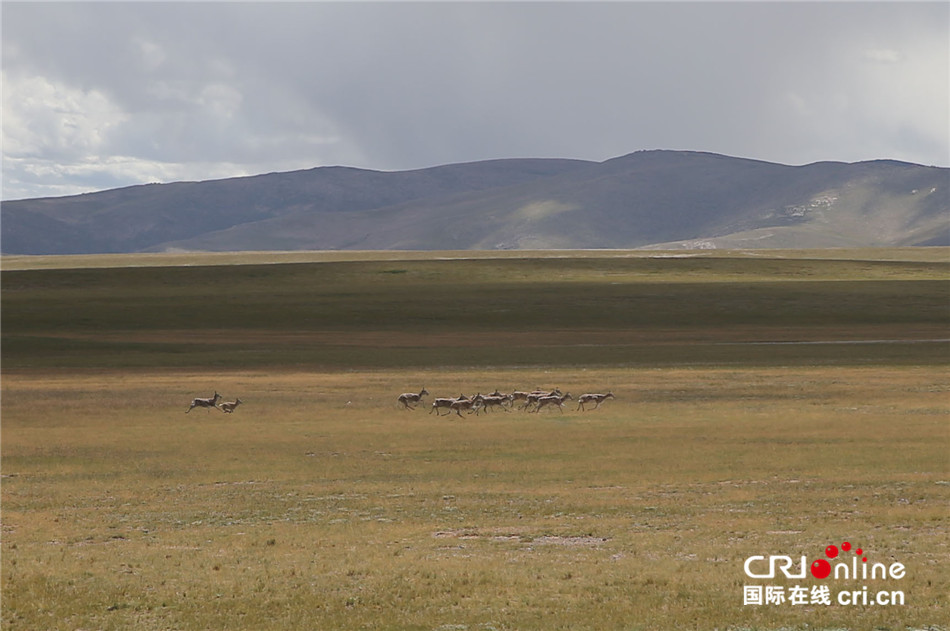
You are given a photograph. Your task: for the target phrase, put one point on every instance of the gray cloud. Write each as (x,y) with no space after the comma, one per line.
(107,94)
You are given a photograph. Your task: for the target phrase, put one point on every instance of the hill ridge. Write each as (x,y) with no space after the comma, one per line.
(644,199)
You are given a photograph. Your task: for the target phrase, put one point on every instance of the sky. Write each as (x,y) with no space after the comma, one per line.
(109,94)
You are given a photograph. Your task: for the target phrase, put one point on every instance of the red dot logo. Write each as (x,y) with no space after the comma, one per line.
(845,546)
(831,552)
(821,568)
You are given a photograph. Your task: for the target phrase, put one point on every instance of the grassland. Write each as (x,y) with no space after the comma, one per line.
(320,505)
(435,311)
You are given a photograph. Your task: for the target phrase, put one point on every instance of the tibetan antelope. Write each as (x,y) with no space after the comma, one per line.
(537,395)
(554,399)
(596,399)
(463,404)
(445,402)
(411,397)
(518,395)
(209,403)
(486,401)
(228,406)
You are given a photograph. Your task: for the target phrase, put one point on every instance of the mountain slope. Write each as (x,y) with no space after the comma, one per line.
(139,218)
(644,199)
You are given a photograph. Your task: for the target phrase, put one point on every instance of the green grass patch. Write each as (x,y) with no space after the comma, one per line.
(547,310)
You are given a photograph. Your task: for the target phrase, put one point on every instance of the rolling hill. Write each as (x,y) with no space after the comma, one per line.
(648,199)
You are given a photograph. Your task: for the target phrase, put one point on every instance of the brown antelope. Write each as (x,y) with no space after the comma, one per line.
(411,397)
(209,403)
(463,404)
(486,401)
(596,399)
(553,399)
(534,397)
(444,402)
(228,406)
(518,395)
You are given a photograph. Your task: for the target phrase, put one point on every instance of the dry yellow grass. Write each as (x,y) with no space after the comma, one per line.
(319,504)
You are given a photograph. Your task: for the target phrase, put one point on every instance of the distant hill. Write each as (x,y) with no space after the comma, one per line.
(669,199)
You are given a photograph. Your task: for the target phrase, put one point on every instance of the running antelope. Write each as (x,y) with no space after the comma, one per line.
(554,399)
(463,404)
(445,402)
(411,397)
(518,395)
(228,406)
(596,399)
(209,403)
(537,395)
(485,401)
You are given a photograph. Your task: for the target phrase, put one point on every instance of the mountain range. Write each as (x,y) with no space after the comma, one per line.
(647,199)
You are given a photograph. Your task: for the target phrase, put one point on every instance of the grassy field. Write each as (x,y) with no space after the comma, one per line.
(768,405)
(434,311)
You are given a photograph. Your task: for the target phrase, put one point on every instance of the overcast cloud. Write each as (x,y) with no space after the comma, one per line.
(101,95)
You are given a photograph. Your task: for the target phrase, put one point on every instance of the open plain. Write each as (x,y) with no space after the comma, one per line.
(767,404)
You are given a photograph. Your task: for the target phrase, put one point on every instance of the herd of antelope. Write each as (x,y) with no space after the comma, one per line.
(212,402)
(533,401)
